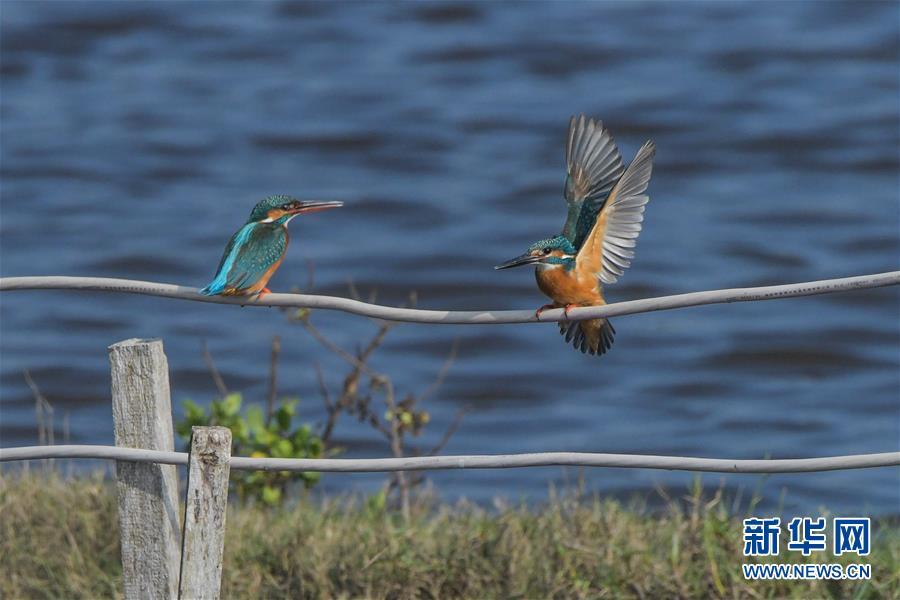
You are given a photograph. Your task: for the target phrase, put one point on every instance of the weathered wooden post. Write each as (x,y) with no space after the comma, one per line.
(148,493)
(204,513)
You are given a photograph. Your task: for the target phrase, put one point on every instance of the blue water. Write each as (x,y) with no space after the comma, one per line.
(136,137)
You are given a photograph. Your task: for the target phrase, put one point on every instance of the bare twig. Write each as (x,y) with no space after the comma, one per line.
(396,444)
(332,346)
(353,290)
(379,426)
(310,274)
(42,407)
(323,388)
(273,379)
(353,402)
(454,425)
(213,371)
(331,408)
(67,441)
(44,413)
(350,391)
(442,374)
(38,408)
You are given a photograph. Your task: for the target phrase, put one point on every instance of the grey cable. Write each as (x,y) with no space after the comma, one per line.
(498,461)
(411,315)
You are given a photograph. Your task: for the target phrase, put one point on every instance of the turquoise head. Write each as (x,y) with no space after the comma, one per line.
(281,208)
(557,251)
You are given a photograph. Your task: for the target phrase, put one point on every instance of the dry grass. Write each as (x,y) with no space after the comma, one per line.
(59,539)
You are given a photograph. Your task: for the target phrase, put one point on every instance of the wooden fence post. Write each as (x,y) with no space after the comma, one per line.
(203,542)
(147,493)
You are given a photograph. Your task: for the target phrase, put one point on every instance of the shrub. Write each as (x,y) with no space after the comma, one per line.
(257,436)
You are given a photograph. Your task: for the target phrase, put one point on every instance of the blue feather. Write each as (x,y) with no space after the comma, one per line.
(217,285)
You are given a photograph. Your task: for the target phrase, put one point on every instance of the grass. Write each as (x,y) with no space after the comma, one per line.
(59,539)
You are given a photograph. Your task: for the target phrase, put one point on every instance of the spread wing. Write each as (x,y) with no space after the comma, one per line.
(608,249)
(252,251)
(593,165)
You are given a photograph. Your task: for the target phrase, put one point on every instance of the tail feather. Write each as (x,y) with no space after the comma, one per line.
(212,289)
(595,336)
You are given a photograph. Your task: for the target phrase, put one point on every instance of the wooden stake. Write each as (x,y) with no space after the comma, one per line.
(204,513)
(147,493)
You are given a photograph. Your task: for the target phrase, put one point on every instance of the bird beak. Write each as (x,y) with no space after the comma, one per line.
(524,259)
(315,206)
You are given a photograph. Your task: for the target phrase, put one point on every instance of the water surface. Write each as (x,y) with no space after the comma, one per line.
(136,137)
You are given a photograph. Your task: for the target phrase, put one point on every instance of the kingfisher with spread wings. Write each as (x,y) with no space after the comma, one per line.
(606,205)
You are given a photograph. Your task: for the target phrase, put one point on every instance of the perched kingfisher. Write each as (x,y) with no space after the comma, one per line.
(606,207)
(255,252)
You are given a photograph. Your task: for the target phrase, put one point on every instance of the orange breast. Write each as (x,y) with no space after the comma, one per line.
(567,287)
(264,280)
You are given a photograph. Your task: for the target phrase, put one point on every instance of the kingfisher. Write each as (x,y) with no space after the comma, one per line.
(255,252)
(606,205)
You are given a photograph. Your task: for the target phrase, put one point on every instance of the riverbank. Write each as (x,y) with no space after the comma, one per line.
(59,539)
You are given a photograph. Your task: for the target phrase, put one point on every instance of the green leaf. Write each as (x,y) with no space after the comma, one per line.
(301,437)
(255,477)
(194,415)
(255,421)
(284,415)
(231,405)
(193,410)
(376,502)
(239,432)
(267,439)
(283,449)
(252,436)
(271,495)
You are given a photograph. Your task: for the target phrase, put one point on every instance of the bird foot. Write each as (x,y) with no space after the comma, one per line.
(262,293)
(566,308)
(537,313)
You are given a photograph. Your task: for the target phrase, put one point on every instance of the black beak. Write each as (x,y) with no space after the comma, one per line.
(525,259)
(315,206)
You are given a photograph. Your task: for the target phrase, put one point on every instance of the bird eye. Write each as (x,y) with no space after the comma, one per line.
(547,250)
